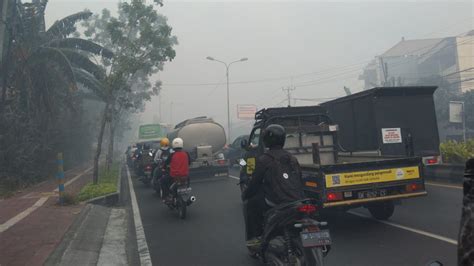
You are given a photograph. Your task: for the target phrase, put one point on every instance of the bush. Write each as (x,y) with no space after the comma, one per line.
(107,184)
(457,152)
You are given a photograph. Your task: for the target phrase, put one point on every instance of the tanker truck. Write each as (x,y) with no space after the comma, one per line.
(203,139)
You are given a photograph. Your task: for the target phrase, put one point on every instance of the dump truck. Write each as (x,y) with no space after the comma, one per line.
(203,139)
(348,179)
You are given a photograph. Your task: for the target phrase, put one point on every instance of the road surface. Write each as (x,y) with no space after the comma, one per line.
(421,230)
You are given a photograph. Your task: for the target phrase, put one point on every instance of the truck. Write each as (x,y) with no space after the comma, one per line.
(388,122)
(342,179)
(203,139)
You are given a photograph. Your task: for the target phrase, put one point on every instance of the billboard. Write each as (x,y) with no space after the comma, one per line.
(150,131)
(456,110)
(246,111)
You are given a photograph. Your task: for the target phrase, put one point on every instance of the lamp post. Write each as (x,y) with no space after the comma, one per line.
(227,65)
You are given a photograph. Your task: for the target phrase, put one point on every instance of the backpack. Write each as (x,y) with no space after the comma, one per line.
(283,177)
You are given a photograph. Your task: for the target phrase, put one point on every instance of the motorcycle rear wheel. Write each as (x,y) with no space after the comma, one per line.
(181,208)
(313,256)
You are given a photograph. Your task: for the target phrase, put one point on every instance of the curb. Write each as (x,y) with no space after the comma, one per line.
(451,173)
(111,199)
(55,257)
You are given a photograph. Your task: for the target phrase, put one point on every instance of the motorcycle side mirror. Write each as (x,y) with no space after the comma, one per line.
(244,144)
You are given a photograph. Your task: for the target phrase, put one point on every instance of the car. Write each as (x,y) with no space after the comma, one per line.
(234,151)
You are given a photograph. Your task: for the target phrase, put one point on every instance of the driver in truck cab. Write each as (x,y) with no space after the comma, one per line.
(178,164)
(276,180)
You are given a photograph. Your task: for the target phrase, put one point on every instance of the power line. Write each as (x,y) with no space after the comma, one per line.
(327,70)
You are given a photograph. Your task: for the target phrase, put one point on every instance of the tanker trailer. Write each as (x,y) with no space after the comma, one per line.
(203,139)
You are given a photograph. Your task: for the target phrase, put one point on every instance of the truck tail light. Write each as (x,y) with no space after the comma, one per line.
(334,196)
(413,187)
(433,160)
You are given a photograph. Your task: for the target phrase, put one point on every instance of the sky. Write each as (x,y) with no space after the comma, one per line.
(314,47)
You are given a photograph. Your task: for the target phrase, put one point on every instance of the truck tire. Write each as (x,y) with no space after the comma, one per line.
(381,210)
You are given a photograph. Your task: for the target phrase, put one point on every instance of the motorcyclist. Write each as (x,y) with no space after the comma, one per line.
(267,189)
(178,163)
(160,158)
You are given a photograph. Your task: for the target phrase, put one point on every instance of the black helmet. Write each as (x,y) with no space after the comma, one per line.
(274,136)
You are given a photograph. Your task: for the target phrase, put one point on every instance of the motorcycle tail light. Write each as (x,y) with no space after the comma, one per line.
(148,167)
(307,208)
(221,162)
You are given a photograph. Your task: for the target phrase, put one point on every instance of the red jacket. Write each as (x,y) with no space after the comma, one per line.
(179,164)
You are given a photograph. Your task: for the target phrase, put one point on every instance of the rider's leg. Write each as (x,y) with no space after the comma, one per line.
(254,211)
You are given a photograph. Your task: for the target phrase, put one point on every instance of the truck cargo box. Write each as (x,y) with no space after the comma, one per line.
(394,121)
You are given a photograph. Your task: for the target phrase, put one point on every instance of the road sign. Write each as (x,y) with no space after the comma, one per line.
(150,131)
(246,111)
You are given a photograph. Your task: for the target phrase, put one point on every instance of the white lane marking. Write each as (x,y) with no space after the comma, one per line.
(234,177)
(75,178)
(113,250)
(21,215)
(143,250)
(413,230)
(442,185)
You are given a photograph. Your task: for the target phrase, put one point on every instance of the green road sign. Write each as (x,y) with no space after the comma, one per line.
(150,131)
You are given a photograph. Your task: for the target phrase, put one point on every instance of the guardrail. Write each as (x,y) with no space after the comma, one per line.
(452,173)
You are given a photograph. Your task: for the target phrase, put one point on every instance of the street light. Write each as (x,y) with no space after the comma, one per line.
(227,65)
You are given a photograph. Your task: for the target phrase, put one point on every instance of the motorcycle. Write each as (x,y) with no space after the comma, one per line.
(180,198)
(148,168)
(292,236)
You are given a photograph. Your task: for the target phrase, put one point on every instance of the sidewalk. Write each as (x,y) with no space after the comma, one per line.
(32,225)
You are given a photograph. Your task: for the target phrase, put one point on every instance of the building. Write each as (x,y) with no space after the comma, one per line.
(410,62)
(465,60)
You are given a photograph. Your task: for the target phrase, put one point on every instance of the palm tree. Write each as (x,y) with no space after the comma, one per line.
(40,93)
(47,65)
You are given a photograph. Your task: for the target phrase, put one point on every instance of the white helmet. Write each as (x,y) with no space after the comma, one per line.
(178,143)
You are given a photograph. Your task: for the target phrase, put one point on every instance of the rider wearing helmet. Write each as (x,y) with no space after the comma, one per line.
(160,158)
(178,163)
(277,179)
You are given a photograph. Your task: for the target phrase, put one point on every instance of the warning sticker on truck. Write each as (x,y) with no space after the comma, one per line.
(391,135)
(373,176)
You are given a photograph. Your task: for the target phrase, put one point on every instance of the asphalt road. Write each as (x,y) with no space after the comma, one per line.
(421,230)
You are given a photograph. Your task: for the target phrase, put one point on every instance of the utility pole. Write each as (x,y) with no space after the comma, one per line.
(288,91)
(160,101)
(384,71)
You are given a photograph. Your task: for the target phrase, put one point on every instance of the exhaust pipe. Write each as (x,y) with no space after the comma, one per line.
(191,200)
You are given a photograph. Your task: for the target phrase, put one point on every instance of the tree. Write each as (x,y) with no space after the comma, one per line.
(141,41)
(40,99)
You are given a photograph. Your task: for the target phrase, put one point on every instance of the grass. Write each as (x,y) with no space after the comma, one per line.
(107,184)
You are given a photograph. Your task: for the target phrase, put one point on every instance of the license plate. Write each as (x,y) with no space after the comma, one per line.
(315,239)
(371,194)
(184,190)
